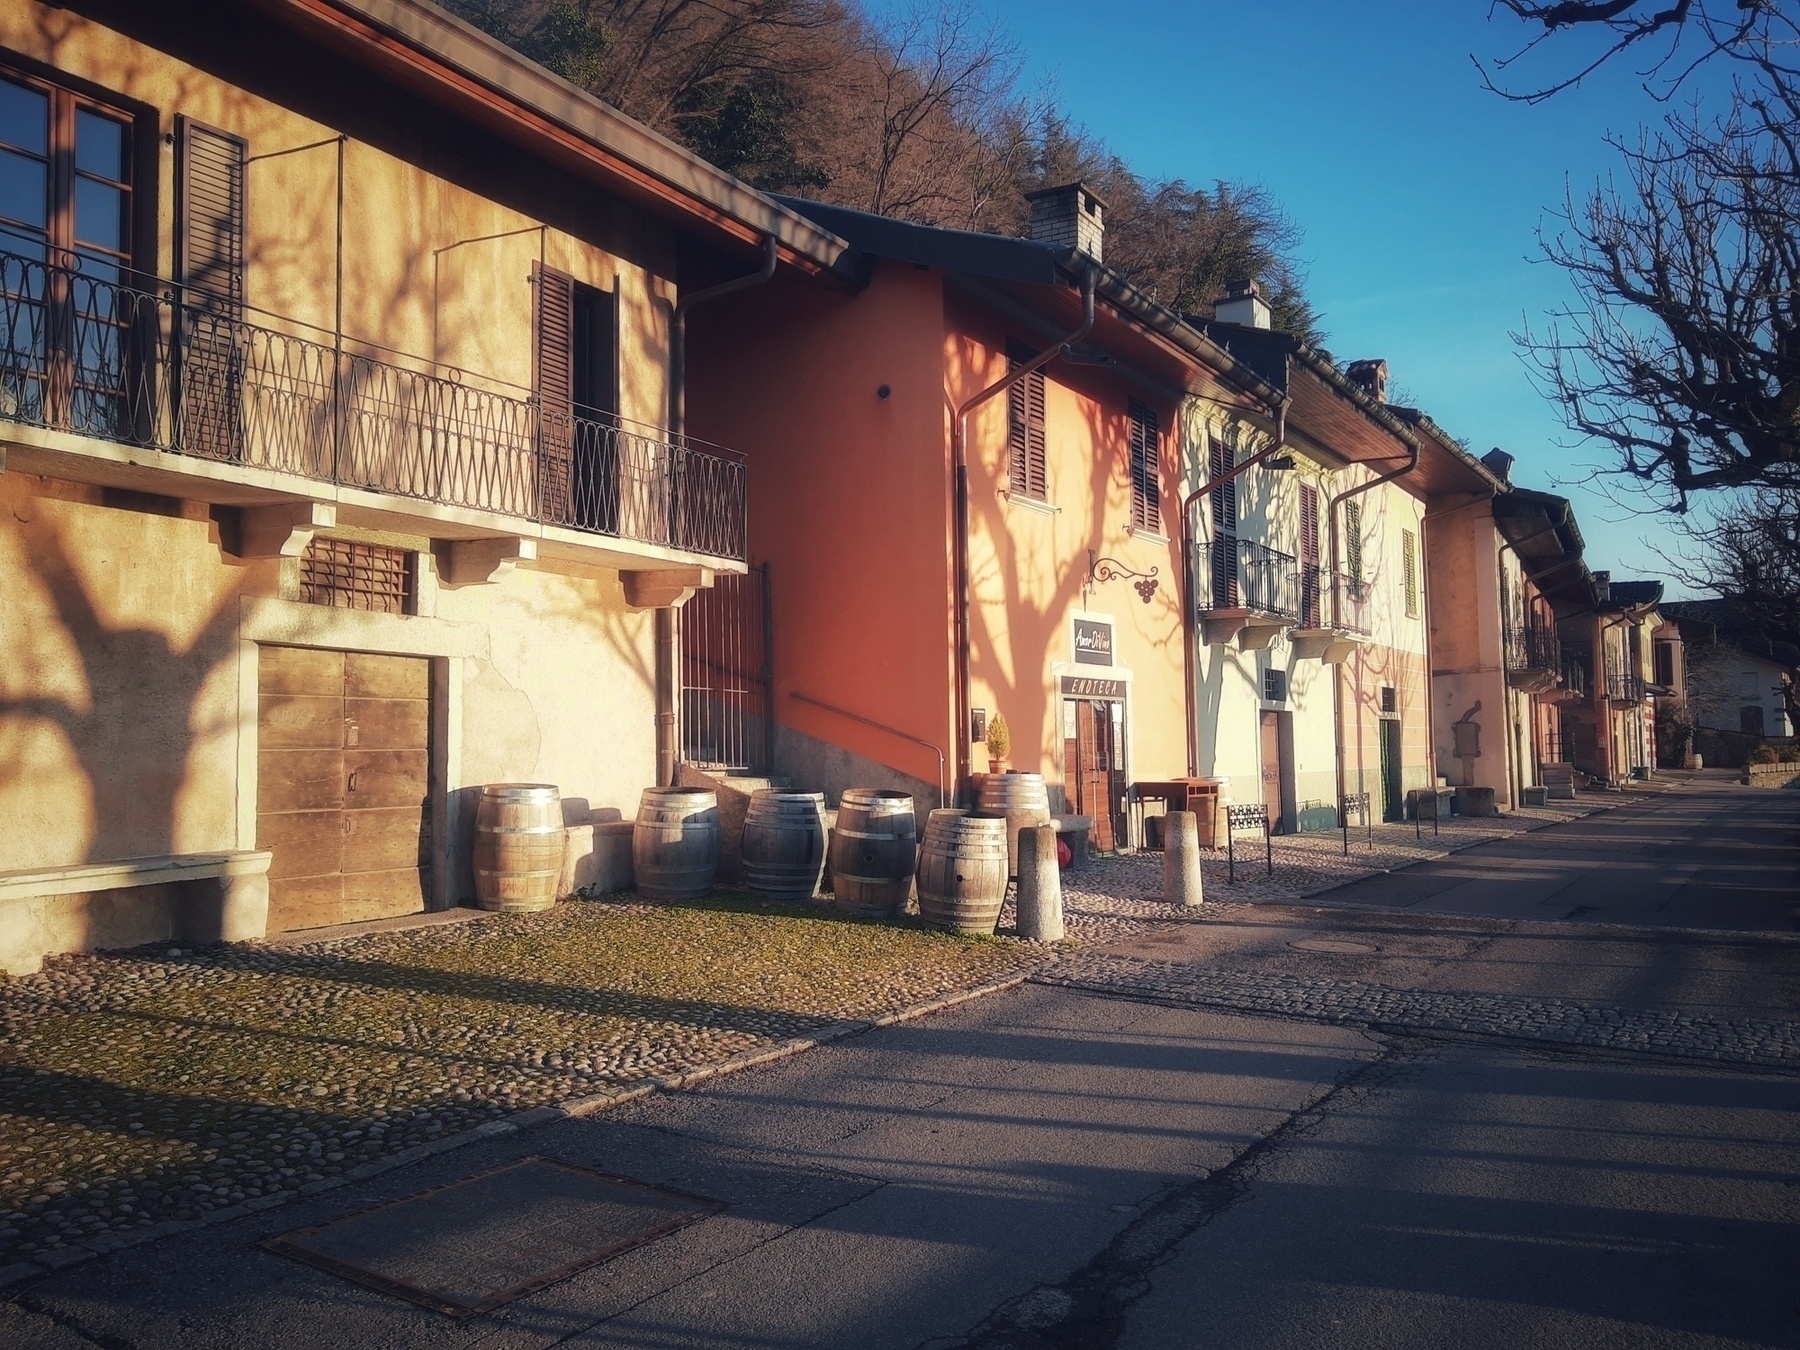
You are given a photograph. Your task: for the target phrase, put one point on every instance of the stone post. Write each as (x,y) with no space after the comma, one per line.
(1040,885)
(1181,858)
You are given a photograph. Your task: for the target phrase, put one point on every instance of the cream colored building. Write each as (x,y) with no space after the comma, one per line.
(338,479)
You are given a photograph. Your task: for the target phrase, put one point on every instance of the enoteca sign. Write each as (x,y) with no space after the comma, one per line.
(1093,642)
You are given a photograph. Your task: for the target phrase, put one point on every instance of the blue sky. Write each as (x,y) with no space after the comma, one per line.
(1419,192)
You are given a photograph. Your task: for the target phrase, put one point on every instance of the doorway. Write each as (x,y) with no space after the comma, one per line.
(1094,766)
(1278,770)
(342,797)
(1393,805)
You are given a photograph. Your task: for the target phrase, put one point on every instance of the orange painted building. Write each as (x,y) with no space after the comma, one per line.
(849,405)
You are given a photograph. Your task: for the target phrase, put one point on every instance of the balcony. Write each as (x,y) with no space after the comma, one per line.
(1333,616)
(1624,688)
(1255,594)
(1533,657)
(211,407)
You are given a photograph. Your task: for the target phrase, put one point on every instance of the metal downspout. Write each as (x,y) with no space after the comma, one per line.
(960,474)
(1189,660)
(1337,677)
(668,620)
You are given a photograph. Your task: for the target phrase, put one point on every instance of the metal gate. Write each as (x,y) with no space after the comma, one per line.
(725,715)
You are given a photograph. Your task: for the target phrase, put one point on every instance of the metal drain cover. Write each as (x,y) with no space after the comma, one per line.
(468,1247)
(1339,945)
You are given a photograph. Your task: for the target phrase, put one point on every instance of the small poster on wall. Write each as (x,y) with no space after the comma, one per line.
(1093,642)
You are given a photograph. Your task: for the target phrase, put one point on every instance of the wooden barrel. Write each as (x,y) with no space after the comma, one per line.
(873,851)
(518,847)
(1022,799)
(962,871)
(675,843)
(784,843)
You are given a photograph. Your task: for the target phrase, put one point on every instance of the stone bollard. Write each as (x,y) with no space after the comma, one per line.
(1181,858)
(1040,885)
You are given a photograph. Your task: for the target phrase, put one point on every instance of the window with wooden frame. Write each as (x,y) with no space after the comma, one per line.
(1353,541)
(1025,434)
(68,225)
(1146,465)
(1409,568)
(575,372)
(1309,556)
(1223,459)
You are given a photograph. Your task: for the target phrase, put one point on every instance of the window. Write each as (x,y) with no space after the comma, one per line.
(1750,720)
(1389,704)
(1353,555)
(66,231)
(1409,568)
(575,366)
(1146,462)
(1275,685)
(349,575)
(1309,556)
(1025,440)
(1224,522)
(1664,653)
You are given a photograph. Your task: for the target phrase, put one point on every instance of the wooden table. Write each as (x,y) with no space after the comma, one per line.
(1199,795)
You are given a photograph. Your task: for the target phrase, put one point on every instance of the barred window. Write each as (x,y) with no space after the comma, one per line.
(1275,685)
(347,575)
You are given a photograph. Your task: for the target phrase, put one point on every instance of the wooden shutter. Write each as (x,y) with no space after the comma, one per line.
(211,217)
(1353,555)
(210,265)
(1224,520)
(1409,566)
(553,377)
(1224,497)
(1025,433)
(1309,556)
(1146,459)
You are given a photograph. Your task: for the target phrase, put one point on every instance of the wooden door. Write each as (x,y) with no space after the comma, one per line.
(343,758)
(1271,767)
(1089,770)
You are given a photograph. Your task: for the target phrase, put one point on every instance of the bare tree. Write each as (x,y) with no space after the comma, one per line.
(1682,351)
(1677,36)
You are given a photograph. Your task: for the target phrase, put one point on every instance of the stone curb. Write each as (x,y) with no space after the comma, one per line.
(21,1272)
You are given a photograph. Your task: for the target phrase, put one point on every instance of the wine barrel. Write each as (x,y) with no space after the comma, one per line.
(675,843)
(1022,799)
(962,871)
(784,843)
(518,847)
(873,850)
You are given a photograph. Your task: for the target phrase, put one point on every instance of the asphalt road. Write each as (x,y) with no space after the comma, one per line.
(1708,854)
(1059,1167)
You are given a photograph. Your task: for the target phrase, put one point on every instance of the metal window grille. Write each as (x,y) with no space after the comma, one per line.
(1387,699)
(349,575)
(1275,685)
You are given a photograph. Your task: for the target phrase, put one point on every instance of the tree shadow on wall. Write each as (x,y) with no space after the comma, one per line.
(134,732)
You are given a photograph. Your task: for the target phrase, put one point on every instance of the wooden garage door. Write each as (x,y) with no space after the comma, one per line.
(341,798)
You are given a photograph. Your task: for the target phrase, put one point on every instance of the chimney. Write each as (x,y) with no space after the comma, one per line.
(1243,304)
(1603,587)
(1070,215)
(1499,463)
(1371,375)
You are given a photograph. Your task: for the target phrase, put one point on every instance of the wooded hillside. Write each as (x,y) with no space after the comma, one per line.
(923,118)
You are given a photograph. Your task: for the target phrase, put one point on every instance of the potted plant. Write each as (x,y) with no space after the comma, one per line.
(999,744)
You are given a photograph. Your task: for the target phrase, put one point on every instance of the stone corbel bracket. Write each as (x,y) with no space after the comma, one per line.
(665,587)
(482,562)
(1325,645)
(1258,634)
(283,531)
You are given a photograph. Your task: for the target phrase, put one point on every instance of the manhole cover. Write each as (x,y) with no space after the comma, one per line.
(475,1244)
(1333,945)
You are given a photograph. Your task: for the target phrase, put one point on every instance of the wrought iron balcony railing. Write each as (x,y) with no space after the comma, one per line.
(1350,604)
(1532,647)
(1624,687)
(85,353)
(1246,575)
(1332,600)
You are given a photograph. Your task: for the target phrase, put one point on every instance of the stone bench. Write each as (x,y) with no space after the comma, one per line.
(84,907)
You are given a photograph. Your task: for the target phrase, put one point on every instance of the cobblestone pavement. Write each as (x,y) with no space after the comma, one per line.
(143,1087)
(1751,1041)
(1120,896)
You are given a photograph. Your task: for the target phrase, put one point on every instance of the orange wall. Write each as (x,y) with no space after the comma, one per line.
(1029,565)
(849,497)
